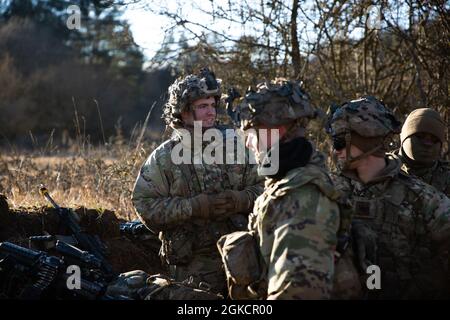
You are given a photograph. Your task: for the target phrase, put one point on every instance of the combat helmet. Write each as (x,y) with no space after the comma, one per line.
(366,116)
(186,90)
(275,103)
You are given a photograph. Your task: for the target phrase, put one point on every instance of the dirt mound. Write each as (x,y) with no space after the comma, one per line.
(127,255)
(4,208)
(16,225)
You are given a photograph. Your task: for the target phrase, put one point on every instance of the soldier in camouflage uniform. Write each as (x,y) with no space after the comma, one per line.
(192,205)
(399,223)
(422,137)
(296,219)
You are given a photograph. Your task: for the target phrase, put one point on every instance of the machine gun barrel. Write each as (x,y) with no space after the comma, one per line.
(83,256)
(86,241)
(23,255)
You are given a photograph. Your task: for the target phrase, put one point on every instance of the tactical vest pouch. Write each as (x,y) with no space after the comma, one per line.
(208,232)
(177,246)
(244,267)
(346,283)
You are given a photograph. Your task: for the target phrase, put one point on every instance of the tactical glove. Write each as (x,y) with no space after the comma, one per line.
(201,206)
(240,200)
(230,202)
(205,206)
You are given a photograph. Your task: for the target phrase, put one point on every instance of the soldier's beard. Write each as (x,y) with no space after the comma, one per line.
(207,123)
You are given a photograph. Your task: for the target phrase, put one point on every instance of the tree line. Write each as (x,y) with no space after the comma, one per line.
(395,50)
(59,83)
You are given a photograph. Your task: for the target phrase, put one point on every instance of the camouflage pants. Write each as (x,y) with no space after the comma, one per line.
(205,270)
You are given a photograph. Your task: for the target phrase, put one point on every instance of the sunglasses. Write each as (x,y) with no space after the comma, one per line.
(339,142)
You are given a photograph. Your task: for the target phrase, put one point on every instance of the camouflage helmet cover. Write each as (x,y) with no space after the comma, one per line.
(186,90)
(275,103)
(367,116)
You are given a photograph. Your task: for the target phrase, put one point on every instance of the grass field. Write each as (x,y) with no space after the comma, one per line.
(93,177)
(95,181)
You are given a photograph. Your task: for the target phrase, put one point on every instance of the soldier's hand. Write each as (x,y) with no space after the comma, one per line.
(240,200)
(365,241)
(201,206)
(207,206)
(231,202)
(222,204)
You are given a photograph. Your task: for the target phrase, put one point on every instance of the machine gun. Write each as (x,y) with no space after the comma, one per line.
(32,274)
(69,219)
(136,230)
(140,234)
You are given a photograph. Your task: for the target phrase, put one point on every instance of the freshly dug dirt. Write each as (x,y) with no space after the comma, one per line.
(124,254)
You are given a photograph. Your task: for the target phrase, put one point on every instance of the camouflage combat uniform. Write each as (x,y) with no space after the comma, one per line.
(296,218)
(437,175)
(399,222)
(162,197)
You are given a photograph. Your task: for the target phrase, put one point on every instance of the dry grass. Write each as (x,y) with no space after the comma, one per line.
(83,175)
(96,181)
(99,177)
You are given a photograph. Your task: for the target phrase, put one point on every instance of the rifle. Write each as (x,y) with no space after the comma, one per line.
(87,242)
(33,274)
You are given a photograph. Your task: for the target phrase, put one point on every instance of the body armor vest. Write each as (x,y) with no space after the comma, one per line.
(181,243)
(394,213)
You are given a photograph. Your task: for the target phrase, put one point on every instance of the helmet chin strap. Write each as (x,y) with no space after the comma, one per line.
(349,159)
